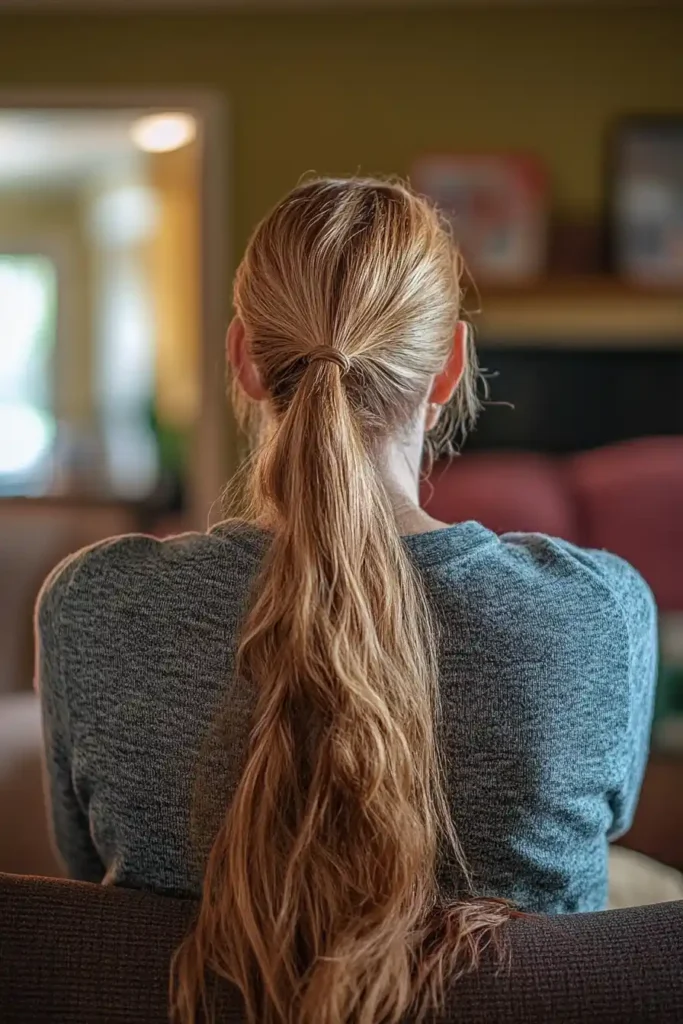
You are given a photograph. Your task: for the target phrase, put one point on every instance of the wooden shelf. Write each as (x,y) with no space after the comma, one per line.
(580,284)
(581,312)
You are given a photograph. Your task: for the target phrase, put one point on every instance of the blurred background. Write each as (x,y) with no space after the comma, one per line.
(99,283)
(140,143)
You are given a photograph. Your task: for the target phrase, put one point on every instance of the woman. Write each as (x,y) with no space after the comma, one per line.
(327,690)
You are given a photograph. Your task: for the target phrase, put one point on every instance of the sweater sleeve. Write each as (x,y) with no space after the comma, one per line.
(636,605)
(69,822)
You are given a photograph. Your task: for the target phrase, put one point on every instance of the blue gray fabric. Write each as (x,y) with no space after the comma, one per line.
(548,663)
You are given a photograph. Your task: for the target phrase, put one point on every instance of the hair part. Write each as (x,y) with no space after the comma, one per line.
(321,900)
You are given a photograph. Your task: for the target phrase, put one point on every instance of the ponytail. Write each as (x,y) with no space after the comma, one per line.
(320,897)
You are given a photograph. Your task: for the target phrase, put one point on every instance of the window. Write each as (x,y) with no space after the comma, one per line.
(28,313)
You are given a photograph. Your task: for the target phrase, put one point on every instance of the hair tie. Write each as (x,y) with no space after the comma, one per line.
(327,354)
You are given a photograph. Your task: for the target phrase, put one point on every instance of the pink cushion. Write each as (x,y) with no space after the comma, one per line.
(511,492)
(629,499)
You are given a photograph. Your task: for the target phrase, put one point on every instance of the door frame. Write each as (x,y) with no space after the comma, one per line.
(214,458)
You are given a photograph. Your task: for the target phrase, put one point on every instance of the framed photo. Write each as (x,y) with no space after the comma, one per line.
(497,205)
(646,200)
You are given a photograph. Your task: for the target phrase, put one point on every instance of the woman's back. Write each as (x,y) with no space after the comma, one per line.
(546,662)
(286,694)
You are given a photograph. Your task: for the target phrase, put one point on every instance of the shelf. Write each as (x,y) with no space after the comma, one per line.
(581,284)
(581,312)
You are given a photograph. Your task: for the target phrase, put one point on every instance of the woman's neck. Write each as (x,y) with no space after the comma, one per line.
(400,472)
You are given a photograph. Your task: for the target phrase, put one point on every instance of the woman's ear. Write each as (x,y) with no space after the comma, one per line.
(241,362)
(447,381)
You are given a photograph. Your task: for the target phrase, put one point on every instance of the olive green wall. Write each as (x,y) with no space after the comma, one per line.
(336,91)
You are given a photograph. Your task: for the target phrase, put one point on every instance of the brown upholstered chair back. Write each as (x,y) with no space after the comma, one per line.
(80,954)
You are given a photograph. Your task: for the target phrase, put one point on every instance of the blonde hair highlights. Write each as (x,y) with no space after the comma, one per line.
(320,898)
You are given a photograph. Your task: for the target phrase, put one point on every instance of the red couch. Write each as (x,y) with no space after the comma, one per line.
(627,498)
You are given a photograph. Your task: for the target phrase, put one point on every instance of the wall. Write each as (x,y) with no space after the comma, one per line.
(175,279)
(340,91)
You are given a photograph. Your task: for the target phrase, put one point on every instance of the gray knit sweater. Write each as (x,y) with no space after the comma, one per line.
(547,673)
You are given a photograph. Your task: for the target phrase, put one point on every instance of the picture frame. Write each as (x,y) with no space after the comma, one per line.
(645,200)
(498,207)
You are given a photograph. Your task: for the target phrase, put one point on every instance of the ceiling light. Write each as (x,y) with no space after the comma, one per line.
(162,133)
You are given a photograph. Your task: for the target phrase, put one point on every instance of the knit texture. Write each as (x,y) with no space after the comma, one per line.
(79,954)
(547,670)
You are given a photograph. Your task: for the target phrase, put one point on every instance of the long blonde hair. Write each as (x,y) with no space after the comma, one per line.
(320,899)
